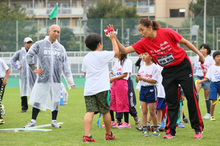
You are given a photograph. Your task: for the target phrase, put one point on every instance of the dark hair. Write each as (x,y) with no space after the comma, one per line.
(207,47)
(123,58)
(92,40)
(216,53)
(147,22)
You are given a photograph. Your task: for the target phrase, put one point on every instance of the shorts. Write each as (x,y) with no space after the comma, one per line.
(161,105)
(148,94)
(97,103)
(206,84)
(214,90)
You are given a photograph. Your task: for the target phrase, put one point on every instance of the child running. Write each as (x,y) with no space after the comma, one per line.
(213,75)
(119,90)
(148,76)
(96,71)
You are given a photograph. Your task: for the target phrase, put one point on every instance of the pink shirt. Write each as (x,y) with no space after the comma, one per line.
(164,48)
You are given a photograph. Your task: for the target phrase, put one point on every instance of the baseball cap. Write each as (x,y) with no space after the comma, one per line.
(28,40)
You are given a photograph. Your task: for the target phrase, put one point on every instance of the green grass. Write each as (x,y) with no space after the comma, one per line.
(72,130)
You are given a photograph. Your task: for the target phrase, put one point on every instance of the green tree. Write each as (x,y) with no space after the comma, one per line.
(113,12)
(14,24)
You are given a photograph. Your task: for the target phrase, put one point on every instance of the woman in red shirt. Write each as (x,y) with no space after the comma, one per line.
(162,45)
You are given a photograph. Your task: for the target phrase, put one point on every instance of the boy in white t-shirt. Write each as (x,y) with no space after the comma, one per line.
(213,75)
(4,73)
(97,85)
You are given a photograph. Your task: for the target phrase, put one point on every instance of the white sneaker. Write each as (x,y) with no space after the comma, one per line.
(207,116)
(3,110)
(30,124)
(55,125)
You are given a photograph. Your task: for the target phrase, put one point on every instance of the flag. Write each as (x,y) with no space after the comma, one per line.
(53,13)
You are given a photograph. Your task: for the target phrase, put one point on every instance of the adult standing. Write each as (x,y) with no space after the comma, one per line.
(162,45)
(52,61)
(27,76)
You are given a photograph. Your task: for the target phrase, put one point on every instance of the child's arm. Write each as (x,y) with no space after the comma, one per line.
(118,77)
(84,73)
(137,78)
(147,80)
(110,72)
(6,77)
(203,80)
(113,38)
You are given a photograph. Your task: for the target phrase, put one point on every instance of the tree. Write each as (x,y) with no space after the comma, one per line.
(113,12)
(14,24)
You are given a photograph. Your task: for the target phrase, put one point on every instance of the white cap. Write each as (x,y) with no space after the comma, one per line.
(28,39)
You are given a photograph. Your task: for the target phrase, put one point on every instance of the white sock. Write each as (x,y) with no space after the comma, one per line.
(33,121)
(54,120)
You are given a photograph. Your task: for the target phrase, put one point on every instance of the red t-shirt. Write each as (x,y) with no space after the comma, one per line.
(163,48)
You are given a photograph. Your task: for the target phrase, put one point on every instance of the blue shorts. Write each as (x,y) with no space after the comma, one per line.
(148,94)
(206,84)
(161,104)
(214,90)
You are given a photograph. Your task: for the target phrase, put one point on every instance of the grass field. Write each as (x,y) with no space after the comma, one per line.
(72,130)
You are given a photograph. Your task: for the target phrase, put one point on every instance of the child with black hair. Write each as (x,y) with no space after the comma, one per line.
(148,76)
(213,75)
(201,70)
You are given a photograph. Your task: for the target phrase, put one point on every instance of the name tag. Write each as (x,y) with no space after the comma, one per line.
(166,59)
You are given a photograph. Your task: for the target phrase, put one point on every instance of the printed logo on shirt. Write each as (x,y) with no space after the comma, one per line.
(164,49)
(216,75)
(166,59)
(117,72)
(51,52)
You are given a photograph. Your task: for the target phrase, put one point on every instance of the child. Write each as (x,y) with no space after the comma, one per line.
(95,68)
(4,73)
(201,70)
(148,76)
(119,90)
(213,75)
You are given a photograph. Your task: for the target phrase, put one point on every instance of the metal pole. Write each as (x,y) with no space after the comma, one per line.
(16,35)
(204,31)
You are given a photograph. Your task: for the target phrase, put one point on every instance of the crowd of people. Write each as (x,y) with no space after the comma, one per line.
(165,77)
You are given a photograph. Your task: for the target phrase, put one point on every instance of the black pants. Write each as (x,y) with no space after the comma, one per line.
(172,76)
(2,90)
(24,104)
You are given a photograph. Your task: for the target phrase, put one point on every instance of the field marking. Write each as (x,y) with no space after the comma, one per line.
(24,130)
(41,126)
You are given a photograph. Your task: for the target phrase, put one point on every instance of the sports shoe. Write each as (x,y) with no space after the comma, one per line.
(30,124)
(113,124)
(185,120)
(140,128)
(88,139)
(137,120)
(168,136)
(124,125)
(198,135)
(180,125)
(23,111)
(55,125)
(156,132)
(212,118)
(145,132)
(207,116)
(109,137)
(2,121)
(3,110)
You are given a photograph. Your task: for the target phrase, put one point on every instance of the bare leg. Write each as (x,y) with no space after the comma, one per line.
(144,113)
(88,123)
(107,122)
(212,108)
(153,113)
(159,116)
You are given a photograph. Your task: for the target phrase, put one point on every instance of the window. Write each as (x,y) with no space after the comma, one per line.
(177,12)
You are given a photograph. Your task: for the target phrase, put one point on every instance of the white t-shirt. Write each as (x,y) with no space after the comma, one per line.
(95,64)
(119,70)
(149,72)
(3,68)
(160,88)
(213,73)
(208,62)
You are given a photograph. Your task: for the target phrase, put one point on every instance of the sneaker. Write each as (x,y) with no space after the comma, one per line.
(109,137)
(198,135)
(3,110)
(145,132)
(113,124)
(160,128)
(88,139)
(207,116)
(55,125)
(140,128)
(137,120)
(168,136)
(30,124)
(2,121)
(23,111)
(212,118)
(185,120)
(156,132)
(124,125)
(180,125)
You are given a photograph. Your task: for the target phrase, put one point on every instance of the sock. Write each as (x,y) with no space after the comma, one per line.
(35,112)
(54,120)
(33,121)
(112,115)
(126,114)
(208,104)
(54,115)
(148,123)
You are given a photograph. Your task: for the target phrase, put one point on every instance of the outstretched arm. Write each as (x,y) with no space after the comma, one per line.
(6,77)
